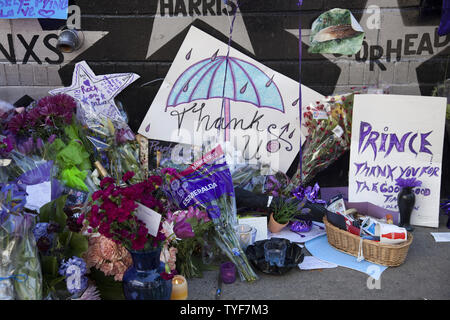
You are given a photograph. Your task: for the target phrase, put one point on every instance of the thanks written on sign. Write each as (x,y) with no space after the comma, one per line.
(20,9)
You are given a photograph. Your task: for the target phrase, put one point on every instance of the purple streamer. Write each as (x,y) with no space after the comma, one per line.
(227,56)
(300,2)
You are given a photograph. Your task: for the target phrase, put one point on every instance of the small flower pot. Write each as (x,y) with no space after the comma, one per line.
(274,226)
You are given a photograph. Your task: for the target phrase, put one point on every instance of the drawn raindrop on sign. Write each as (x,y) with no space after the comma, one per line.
(188,56)
(269,83)
(186,87)
(243,89)
(291,134)
(295,102)
(214,57)
(147,129)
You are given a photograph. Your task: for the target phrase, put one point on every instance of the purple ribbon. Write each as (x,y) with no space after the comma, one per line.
(444,27)
(300,2)
(301,226)
(446,207)
(310,193)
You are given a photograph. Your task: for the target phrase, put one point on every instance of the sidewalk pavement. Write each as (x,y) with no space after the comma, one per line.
(425,275)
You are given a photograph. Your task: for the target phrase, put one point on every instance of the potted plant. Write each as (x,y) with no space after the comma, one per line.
(284,211)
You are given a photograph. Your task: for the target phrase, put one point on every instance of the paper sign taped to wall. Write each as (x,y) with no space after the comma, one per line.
(37,9)
(210,93)
(398,137)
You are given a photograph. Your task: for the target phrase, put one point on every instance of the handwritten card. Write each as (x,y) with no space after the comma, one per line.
(151,218)
(37,9)
(398,137)
(38,195)
(229,98)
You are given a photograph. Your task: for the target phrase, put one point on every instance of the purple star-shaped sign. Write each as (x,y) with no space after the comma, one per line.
(96,93)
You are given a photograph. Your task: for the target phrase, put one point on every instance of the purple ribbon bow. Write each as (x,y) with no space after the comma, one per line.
(311,194)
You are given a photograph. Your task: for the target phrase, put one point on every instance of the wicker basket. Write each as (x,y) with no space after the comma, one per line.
(390,255)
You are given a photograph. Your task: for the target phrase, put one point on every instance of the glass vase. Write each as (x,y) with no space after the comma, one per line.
(142,281)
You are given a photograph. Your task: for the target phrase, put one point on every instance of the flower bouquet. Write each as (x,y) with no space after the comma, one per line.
(207,184)
(329,133)
(20,268)
(186,229)
(113,212)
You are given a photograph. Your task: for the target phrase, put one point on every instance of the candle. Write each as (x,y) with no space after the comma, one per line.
(179,288)
(228,272)
(245,235)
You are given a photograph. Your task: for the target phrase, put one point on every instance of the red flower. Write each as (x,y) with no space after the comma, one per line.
(127,176)
(106,182)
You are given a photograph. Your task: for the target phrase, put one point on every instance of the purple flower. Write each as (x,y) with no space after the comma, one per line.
(40,230)
(17,123)
(26,147)
(408,183)
(51,139)
(64,269)
(183,230)
(5,147)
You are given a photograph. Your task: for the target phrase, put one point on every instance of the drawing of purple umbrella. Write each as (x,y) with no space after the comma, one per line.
(227,78)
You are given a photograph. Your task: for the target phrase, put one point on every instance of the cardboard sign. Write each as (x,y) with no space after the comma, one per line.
(398,137)
(37,9)
(210,94)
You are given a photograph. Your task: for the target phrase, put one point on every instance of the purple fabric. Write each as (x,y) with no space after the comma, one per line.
(301,226)
(444,27)
(366,208)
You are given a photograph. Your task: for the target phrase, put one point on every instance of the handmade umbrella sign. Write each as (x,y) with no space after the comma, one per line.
(229,78)
(213,93)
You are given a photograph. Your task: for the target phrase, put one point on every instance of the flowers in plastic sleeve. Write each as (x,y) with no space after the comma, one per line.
(207,184)
(20,268)
(185,229)
(329,124)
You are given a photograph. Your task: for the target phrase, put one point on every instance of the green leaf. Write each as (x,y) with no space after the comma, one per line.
(109,288)
(49,266)
(53,211)
(78,245)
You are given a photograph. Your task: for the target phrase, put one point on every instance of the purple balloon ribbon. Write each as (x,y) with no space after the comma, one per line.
(300,2)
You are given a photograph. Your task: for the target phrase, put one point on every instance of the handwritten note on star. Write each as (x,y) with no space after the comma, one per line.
(96,93)
(37,9)
(398,137)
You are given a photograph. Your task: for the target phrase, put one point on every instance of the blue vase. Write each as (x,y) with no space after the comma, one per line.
(142,281)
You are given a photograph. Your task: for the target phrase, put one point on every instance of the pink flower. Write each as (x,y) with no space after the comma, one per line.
(111,258)
(183,230)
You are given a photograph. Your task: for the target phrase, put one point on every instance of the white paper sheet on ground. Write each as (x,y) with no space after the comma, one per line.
(398,137)
(39,195)
(151,218)
(259,223)
(286,233)
(313,263)
(257,113)
(441,236)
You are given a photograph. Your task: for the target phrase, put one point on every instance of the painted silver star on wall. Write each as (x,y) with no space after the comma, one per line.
(165,28)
